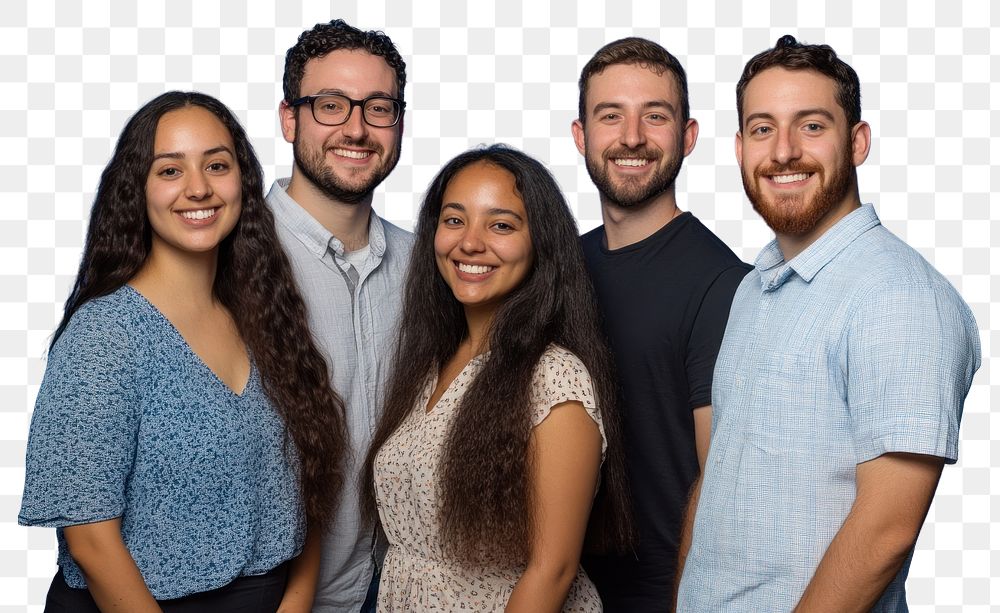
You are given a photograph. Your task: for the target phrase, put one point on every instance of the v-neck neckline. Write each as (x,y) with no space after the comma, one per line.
(433,381)
(192,353)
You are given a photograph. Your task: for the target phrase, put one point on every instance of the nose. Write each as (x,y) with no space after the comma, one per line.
(198,186)
(786,146)
(472,240)
(632,134)
(355,127)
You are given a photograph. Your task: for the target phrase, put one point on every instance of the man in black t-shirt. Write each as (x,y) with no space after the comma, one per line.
(665,284)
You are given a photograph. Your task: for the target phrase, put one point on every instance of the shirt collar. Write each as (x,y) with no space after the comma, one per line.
(317,239)
(774,271)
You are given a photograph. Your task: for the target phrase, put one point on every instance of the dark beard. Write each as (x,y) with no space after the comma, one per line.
(314,169)
(789,216)
(630,192)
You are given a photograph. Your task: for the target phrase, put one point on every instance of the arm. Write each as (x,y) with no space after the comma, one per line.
(302,576)
(894,492)
(567,459)
(112,576)
(702,438)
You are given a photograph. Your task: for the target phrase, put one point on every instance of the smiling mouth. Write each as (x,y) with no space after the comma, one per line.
(199,214)
(630,162)
(354,155)
(784,179)
(474,269)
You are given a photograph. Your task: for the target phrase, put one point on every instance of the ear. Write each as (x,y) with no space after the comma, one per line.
(861,142)
(739,149)
(578,137)
(288,119)
(690,136)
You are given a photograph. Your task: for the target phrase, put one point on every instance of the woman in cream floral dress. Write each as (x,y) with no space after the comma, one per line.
(501,408)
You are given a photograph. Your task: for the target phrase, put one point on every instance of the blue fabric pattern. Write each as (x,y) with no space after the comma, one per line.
(130,423)
(855,348)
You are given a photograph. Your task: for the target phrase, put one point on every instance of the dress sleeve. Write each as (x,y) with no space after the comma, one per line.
(911,354)
(81,443)
(561,377)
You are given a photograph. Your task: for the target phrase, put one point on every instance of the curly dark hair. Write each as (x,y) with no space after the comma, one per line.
(790,54)
(486,515)
(338,34)
(253,281)
(635,50)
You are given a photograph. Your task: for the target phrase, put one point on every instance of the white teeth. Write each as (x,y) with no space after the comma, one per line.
(802,176)
(473,269)
(200,214)
(630,162)
(356,155)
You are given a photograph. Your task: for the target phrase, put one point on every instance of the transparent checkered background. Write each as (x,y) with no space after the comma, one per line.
(506,71)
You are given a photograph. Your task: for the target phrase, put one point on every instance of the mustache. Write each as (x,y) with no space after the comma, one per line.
(363,143)
(625,152)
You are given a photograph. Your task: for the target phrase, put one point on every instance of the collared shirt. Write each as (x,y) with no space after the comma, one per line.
(855,348)
(353,315)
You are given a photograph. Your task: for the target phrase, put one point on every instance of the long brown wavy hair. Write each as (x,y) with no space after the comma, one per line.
(486,515)
(253,280)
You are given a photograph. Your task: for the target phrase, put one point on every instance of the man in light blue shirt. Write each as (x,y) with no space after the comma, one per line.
(839,386)
(343,113)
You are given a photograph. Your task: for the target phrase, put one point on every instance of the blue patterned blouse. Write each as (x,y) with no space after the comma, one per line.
(130,423)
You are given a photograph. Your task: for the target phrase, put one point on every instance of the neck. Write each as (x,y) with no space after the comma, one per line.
(348,222)
(624,226)
(178,277)
(478,321)
(793,245)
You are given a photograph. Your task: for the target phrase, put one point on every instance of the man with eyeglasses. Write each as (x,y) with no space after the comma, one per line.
(343,113)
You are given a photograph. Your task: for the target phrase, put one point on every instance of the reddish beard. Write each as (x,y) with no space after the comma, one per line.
(792,214)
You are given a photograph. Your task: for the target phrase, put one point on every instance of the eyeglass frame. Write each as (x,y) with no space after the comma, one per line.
(350,111)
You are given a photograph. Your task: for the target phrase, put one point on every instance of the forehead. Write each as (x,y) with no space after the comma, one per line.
(484,183)
(632,84)
(355,72)
(192,126)
(779,91)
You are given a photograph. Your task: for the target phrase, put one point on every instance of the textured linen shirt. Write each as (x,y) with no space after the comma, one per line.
(355,325)
(855,348)
(130,423)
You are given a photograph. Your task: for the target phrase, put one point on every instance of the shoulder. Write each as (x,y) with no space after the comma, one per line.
(592,240)
(707,249)
(396,236)
(561,376)
(106,319)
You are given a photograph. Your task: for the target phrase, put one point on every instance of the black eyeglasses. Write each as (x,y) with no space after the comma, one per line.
(335,109)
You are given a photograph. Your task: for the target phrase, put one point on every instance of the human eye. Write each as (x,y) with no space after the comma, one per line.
(168,172)
(813,126)
(218,167)
(656,119)
(451,221)
(330,105)
(761,130)
(380,106)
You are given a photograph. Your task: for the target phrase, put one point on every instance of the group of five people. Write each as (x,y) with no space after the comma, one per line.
(290,404)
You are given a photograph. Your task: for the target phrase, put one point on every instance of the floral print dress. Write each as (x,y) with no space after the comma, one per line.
(417,575)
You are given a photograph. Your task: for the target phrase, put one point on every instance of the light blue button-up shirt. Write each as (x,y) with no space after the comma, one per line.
(855,348)
(355,325)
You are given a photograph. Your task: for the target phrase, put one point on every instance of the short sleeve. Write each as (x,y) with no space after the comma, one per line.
(706,334)
(911,354)
(81,443)
(561,377)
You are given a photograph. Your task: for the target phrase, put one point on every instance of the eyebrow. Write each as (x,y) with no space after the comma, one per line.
(492,211)
(799,115)
(177,155)
(652,104)
(333,91)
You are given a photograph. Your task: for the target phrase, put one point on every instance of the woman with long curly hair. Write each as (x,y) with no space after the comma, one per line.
(501,406)
(185,443)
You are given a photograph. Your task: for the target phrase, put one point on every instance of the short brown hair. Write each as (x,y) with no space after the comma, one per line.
(634,50)
(790,54)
